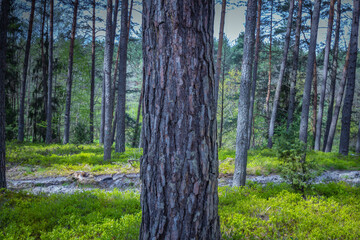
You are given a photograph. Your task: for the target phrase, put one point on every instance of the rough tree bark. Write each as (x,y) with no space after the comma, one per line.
(120,131)
(50,76)
(21,123)
(69,76)
(281,75)
(107,82)
(179,167)
(242,140)
(303,133)
(293,74)
(92,91)
(5,8)
(325,74)
(254,76)
(219,50)
(333,75)
(267,103)
(350,83)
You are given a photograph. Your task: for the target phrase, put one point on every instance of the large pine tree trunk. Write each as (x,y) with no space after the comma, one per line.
(281,75)
(23,82)
(309,73)
(325,73)
(107,83)
(120,131)
(242,140)
(179,167)
(254,76)
(267,101)
(333,74)
(49,93)
(69,76)
(5,8)
(219,50)
(350,83)
(293,74)
(92,91)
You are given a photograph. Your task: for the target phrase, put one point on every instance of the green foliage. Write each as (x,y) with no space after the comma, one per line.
(252,212)
(294,167)
(81,134)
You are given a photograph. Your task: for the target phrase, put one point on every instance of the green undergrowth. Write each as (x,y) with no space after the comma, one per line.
(32,160)
(331,211)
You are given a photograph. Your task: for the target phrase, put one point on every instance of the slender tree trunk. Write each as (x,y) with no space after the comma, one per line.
(49,93)
(179,167)
(337,107)
(92,93)
(102,121)
(120,131)
(107,81)
(115,75)
(222,102)
(350,83)
(315,77)
(70,77)
(281,75)
(43,59)
(254,76)
(325,74)
(333,74)
(242,140)
(309,73)
(136,131)
(23,83)
(357,150)
(219,50)
(294,70)
(267,104)
(5,8)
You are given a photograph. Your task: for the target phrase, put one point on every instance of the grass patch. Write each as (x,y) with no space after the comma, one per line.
(254,212)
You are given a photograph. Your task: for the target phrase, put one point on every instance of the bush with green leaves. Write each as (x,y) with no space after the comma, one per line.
(294,167)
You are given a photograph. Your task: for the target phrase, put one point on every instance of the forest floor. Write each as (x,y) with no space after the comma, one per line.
(105,202)
(66,169)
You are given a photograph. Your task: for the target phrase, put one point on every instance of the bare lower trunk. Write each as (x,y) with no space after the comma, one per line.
(23,82)
(254,76)
(107,83)
(350,83)
(267,104)
(314,98)
(179,167)
(242,140)
(281,75)
(5,8)
(222,102)
(43,62)
(309,73)
(69,77)
(136,131)
(325,73)
(294,70)
(92,91)
(120,130)
(337,107)
(50,81)
(357,150)
(333,74)
(219,51)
